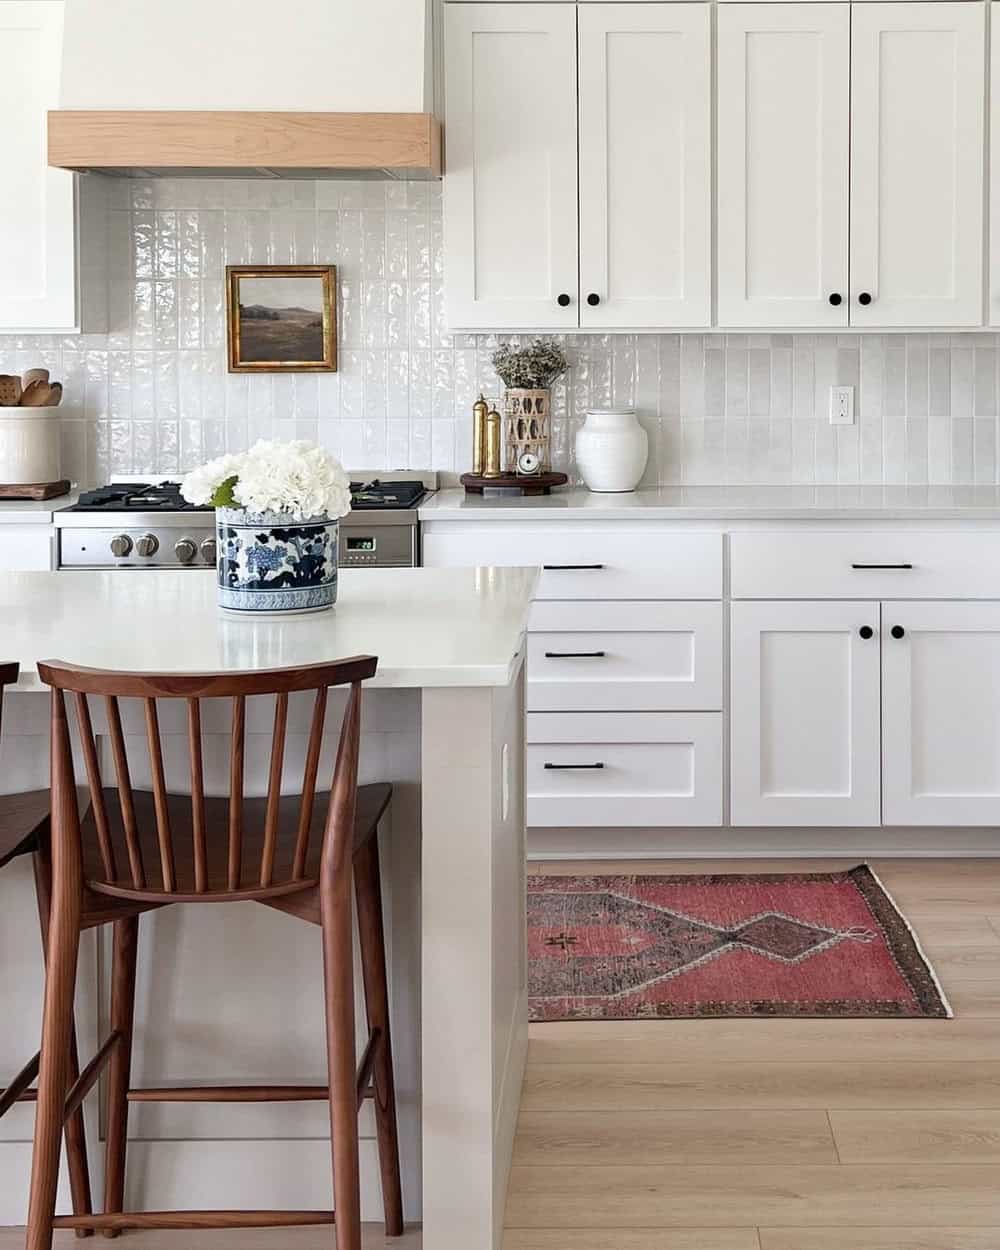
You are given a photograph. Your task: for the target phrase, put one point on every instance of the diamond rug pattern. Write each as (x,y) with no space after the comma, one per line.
(786,944)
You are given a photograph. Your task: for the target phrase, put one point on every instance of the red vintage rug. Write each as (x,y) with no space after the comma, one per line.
(828,944)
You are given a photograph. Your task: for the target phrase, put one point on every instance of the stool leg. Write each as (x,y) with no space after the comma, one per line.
(338,977)
(368,889)
(126,938)
(76,1134)
(57,1025)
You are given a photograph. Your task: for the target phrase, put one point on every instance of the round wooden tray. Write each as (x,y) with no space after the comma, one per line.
(537,484)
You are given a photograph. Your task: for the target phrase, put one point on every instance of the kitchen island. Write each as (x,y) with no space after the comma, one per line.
(237,994)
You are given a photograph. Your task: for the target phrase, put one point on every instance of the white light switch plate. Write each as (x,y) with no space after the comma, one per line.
(841,405)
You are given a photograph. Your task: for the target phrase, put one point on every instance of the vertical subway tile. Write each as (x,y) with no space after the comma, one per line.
(985,401)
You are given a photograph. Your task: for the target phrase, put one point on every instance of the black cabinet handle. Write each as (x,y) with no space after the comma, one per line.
(866,632)
(593,299)
(867,567)
(564,567)
(563,301)
(559,767)
(864,298)
(575,655)
(897,631)
(836,299)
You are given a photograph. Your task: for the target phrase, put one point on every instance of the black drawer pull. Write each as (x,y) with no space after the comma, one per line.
(561,567)
(557,767)
(881,566)
(575,655)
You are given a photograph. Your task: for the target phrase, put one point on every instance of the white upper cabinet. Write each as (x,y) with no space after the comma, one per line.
(38,281)
(917,105)
(519,253)
(510,213)
(783,138)
(645,165)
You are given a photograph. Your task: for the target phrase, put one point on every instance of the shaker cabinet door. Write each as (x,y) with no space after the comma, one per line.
(645,165)
(38,289)
(941,713)
(917,105)
(804,716)
(783,137)
(510,193)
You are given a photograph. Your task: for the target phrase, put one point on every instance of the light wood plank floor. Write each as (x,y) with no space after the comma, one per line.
(778,1134)
(757,1134)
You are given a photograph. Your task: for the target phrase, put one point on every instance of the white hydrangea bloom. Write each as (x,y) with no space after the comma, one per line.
(299,478)
(200,484)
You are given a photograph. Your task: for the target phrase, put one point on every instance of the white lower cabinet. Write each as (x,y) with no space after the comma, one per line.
(624,769)
(25,548)
(805,714)
(941,714)
(624,656)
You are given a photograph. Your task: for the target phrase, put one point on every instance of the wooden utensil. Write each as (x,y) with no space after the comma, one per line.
(55,394)
(37,394)
(34,375)
(10,390)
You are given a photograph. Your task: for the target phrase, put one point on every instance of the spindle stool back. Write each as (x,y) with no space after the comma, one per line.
(152,848)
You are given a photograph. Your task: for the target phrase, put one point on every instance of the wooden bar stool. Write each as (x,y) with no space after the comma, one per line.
(138,850)
(24,830)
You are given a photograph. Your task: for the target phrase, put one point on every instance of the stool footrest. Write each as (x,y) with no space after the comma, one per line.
(231,1093)
(195,1219)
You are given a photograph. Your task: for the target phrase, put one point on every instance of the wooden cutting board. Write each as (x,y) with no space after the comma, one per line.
(37,490)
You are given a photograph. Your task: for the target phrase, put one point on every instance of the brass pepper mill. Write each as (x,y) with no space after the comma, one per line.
(480,411)
(492,465)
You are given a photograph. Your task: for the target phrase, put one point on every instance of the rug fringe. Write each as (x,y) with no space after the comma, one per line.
(949,1012)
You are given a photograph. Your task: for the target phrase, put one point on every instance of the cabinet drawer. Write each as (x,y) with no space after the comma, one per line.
(625,656)
(624,769)
(865,565)
(614,562)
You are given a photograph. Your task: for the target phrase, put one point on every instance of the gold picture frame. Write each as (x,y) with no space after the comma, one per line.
(281,318)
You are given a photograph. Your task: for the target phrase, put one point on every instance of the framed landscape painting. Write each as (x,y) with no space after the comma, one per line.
(282,318)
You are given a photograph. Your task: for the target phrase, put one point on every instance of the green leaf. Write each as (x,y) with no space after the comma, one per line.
(224,497)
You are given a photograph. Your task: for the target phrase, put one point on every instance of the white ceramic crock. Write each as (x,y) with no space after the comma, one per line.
(29,446)
(612,450)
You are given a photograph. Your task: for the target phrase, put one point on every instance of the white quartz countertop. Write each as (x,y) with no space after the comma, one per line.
(726,503)
(34,511)
(428,627)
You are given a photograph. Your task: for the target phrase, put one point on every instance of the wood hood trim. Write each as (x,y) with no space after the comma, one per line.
(175,139)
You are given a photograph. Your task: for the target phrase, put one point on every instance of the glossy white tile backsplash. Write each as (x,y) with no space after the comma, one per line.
(153,395)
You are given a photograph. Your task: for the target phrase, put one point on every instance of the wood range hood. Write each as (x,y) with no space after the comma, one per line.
(245,143)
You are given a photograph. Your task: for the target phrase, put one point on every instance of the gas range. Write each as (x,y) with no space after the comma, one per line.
(148,524)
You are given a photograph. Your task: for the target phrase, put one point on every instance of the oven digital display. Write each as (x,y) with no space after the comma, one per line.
(361,544)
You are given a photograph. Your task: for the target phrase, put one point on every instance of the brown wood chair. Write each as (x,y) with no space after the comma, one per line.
(135,851)
(24,830)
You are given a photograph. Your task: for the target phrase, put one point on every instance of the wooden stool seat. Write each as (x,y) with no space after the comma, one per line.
(372,802)
(23,817)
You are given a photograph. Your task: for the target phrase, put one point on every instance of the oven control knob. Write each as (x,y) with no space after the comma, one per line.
(185,549)
(147,545)
(208,550)
(121,545)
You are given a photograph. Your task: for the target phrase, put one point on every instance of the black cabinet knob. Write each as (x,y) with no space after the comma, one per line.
(836,299)
(593,300)
(563,301)
(897,631)
(866,632)
(864,298)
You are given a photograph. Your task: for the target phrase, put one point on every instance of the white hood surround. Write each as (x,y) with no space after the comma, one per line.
(311,88)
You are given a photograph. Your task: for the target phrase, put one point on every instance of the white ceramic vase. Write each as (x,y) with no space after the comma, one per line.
(612,450)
